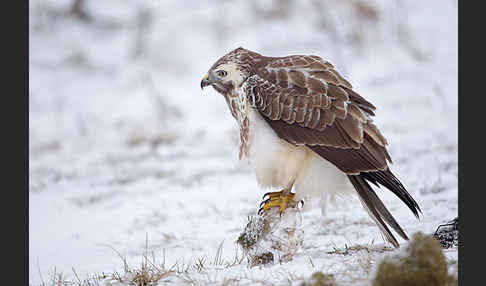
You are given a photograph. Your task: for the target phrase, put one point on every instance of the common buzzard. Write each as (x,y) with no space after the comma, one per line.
(302,126)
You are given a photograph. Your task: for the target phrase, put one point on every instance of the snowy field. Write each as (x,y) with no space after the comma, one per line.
(128,155)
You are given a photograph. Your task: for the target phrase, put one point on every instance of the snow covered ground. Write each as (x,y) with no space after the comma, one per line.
(124,146)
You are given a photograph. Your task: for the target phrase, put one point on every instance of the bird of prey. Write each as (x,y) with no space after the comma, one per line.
(303,127)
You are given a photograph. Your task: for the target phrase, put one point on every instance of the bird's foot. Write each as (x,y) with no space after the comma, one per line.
(278,199)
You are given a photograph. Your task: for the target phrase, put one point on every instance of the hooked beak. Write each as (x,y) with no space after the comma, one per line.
(205,81)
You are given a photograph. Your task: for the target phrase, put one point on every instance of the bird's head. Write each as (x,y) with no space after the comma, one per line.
(230,70)
(223,77)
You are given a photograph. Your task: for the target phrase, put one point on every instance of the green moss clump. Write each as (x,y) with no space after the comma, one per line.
(421,264)
(320,279)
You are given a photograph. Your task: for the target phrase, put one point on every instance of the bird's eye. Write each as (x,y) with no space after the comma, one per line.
(221,73)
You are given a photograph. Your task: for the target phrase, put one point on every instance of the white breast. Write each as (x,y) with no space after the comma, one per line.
(277,163)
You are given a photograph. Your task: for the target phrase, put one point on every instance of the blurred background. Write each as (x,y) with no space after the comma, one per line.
(121,137)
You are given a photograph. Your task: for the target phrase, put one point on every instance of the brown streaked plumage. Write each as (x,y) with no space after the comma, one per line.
(305,103)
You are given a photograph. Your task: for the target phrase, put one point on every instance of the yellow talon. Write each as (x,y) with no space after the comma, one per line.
(278,199)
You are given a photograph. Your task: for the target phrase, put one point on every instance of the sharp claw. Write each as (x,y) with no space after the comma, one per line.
(264,202)
(266,194)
